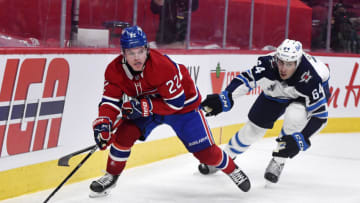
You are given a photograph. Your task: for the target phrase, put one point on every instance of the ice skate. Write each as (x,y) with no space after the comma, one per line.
(273,171)
(240,179)
(102,186)
(207,169)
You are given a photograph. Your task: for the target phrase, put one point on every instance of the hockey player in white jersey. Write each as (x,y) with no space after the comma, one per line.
(295,85)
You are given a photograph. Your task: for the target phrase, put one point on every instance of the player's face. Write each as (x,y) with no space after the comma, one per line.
(136,57)
(286,69)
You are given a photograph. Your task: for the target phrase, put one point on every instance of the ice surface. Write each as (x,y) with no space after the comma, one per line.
(327,172)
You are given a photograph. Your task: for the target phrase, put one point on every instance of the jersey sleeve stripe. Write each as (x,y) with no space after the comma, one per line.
(320,109)
(116,103)
(177,103)
(111,98)
(323,115)
(247,76)
(316,105)
(112,105)
(176,96)
(105,100)
(192,99)
(276,99)
(244,79)
(250,77)
(174,107)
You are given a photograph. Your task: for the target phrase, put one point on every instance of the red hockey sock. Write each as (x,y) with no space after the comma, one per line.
(214,156)
(124,138)
(115,167)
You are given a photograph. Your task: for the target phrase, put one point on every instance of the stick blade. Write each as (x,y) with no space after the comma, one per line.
(64,161)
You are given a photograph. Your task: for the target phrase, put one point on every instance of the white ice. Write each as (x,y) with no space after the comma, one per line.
(327,172)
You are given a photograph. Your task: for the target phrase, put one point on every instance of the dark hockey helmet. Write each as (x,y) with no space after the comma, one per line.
(133,37)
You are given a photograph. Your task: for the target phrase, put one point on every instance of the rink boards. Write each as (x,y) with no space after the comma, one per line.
(49,98)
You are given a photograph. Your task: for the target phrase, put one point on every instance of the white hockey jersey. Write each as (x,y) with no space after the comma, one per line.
(308,85)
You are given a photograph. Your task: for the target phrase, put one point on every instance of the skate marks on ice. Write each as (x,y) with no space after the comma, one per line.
(327,172)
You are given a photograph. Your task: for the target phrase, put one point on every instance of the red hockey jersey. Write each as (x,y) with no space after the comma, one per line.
(168,85)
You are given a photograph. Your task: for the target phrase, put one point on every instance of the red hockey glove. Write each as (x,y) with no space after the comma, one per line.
(134,109)
(102,132)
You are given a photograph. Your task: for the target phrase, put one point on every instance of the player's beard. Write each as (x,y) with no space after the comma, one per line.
(134,72)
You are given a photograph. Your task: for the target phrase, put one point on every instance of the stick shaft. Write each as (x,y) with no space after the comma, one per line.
(72,173)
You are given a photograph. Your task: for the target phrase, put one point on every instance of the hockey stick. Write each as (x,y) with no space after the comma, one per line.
(64,161)
(93,149)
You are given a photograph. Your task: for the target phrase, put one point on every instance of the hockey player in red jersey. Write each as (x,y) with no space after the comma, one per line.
(159,91)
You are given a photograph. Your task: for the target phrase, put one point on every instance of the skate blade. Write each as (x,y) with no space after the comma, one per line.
(104,193)
(268,184)
(98,194)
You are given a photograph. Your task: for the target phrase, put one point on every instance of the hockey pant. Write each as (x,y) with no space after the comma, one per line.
(191,128)
(262,116)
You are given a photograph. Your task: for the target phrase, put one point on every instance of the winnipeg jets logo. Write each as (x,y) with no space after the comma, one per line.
(259,69)
(305,77)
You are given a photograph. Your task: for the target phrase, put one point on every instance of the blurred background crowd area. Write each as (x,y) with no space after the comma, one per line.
(321,25)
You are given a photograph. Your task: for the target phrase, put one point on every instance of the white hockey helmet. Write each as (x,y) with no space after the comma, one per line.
(290,50)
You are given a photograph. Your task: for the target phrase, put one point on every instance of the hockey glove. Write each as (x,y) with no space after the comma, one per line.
(134,109)
(102,132)
(290,145)
(217,103)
